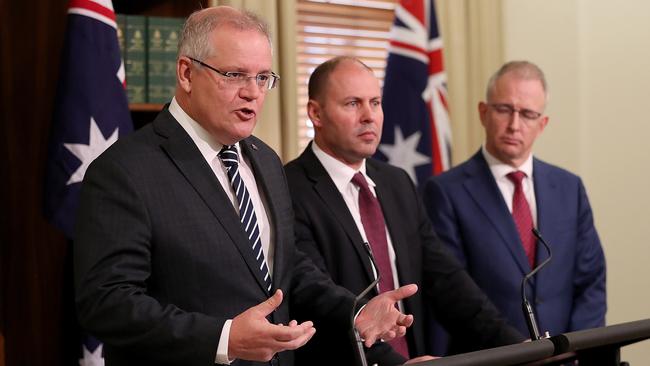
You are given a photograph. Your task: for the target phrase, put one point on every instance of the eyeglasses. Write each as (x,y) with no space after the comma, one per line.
(508,110)
(265,81)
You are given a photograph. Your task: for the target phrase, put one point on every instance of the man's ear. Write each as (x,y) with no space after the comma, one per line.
(184,73)
(482,112)
(314,111)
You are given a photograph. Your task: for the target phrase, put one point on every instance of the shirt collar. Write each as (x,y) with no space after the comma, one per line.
(500,169)
(208,146)
(340,173)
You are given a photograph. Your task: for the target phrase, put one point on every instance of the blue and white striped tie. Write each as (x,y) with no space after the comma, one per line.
(229,158)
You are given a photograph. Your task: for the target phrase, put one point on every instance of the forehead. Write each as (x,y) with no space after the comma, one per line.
(350,78)
(512,87)
(241,49)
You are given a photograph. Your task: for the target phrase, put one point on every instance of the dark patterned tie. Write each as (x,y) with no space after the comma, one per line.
(229,158)
(522,216)
(372,220)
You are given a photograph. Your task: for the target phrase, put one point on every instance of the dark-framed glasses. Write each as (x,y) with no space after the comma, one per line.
(507,110)
(265,81)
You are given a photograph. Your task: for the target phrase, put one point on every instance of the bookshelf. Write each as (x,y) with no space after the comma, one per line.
(143,113)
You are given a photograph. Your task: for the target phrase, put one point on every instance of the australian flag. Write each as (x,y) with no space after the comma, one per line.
(91,109)
(91,112)
(417,134)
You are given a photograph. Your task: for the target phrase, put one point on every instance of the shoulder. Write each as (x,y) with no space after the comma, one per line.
(552,172)
(382,170)
(475,165)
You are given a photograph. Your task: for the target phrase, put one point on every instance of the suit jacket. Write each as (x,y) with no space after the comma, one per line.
(469,213)
(326,231)
(162,261)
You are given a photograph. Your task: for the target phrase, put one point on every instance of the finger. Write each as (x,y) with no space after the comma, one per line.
(297,342)
(405,320)
(400,332)
(293,323)
(269,305)
(288,334)
(420,359)
(405,291)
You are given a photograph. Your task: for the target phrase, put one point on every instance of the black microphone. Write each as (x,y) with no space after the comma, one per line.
(361,354)
(528,310)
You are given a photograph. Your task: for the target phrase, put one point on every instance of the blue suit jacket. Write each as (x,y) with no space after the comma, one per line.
(469,213)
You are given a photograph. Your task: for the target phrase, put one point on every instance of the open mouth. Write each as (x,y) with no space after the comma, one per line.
(245,113)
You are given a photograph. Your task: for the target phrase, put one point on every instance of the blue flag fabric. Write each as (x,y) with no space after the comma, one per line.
(91,108)
(91,111)
(416,135)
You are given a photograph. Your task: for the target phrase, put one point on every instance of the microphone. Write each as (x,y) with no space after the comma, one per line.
(529,315)
(360,353)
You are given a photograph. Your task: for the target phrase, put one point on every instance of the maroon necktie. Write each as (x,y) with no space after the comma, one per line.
(373,224)
(522,216)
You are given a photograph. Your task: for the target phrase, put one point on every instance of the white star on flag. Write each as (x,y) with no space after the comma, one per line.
(87,153)
(92,358)
(403,153)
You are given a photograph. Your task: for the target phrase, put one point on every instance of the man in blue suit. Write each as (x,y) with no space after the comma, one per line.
(485,209)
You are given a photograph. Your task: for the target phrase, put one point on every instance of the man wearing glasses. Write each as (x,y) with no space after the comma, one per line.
(485,210)
(184,250)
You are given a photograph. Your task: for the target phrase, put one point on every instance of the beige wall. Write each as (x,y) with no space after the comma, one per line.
(596,54)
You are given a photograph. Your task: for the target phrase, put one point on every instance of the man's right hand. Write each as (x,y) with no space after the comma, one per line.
(254,338)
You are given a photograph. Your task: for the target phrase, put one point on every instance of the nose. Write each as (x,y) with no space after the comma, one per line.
(368,113)
(515,121)
(250,90)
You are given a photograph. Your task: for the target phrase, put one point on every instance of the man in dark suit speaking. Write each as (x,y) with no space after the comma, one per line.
(184,250)
(486,207)
(343,199)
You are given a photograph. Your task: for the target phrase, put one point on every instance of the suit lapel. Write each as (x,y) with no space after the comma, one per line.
(544,187)
(327,191)
(389,208)
(480,185)
(188,159)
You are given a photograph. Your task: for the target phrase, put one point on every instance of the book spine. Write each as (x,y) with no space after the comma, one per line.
(158,33)
(136,58)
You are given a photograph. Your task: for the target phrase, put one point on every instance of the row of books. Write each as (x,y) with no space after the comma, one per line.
(149,46)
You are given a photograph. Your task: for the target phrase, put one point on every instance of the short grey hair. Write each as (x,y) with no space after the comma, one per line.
(522,70)
(195,36)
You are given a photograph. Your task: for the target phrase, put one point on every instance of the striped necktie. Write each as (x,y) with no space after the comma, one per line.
(230,159)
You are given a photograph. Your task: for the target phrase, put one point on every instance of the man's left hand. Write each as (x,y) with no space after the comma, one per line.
(380,318)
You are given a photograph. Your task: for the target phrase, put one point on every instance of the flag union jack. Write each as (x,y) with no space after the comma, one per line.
(417,133)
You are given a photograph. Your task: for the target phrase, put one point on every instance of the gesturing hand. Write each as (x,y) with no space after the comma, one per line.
(380,318)
(254,338)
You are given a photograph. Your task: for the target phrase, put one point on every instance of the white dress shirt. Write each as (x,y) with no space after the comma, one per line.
(210,149)
(342,175)
(500,172)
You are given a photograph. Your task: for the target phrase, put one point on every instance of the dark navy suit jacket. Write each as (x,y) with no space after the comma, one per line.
(469,213)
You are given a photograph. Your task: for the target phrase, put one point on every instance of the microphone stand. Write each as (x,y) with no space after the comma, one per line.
(360,353)
(531,322)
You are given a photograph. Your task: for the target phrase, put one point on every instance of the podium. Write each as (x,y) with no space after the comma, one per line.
(598,346)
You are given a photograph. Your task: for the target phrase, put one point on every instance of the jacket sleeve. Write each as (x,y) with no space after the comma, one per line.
(112,252)
(590,303)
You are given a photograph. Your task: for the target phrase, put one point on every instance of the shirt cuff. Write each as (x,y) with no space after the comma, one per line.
(222,348)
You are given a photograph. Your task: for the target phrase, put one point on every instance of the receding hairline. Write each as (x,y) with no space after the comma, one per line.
(195,40)
(319,79)
(524,70)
